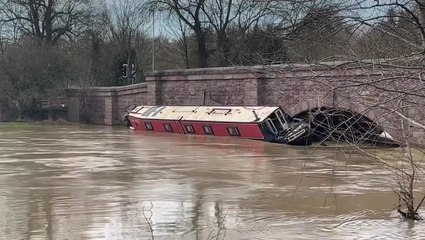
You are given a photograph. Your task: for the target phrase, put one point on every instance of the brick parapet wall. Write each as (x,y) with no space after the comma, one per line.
(214,86)
(106,105)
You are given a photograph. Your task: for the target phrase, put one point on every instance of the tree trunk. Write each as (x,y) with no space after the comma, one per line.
(421,6)
(18,107)
(222,50)
(202,49)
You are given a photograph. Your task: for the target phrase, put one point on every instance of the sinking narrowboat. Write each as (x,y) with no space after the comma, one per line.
(261,122)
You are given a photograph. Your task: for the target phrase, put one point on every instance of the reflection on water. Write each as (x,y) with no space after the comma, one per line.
(79,182)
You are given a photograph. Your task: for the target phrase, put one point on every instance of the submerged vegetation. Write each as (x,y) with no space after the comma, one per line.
(407,165)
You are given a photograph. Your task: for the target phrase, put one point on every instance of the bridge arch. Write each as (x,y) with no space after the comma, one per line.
(341,125)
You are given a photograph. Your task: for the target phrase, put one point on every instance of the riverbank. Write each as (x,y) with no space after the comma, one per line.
(42,122)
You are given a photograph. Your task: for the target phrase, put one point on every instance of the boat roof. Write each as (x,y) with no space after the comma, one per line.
(239,114)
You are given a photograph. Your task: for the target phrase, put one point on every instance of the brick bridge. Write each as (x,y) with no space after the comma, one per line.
(374,91)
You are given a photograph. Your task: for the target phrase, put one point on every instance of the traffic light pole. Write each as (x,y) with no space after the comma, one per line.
(153,40)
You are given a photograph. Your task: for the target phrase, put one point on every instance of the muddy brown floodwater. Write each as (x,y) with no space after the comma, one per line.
(85,182)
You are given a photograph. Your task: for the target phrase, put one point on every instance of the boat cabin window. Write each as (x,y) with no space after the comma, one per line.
(271,126)
(189,129)
(208,130)
(277,122)
(149,126)
(136,109)
(224,111)
(168,127)
(233,131)
(140,109)
(283,118)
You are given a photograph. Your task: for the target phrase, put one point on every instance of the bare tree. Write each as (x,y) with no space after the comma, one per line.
(32,66)
(32,74)
(126,21)
(182,39)
(390,90)
(46,20)
(395,27)
(190,12)
(223,15)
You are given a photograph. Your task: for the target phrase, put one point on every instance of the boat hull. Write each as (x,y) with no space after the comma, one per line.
(243,130)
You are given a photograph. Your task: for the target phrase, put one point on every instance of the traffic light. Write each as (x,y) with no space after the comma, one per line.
(125,70)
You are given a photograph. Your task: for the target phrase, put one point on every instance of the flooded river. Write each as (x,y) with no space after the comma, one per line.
(85,182)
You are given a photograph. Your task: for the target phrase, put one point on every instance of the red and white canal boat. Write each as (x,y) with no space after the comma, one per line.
(263,123)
